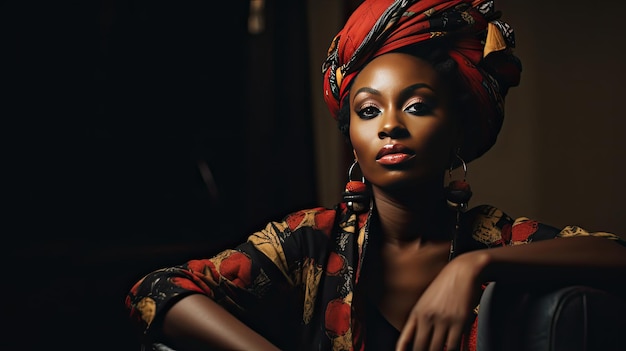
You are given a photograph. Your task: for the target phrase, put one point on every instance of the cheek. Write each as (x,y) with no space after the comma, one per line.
(357,142)
(360,136)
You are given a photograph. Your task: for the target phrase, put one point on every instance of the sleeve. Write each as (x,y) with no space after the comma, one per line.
(491,227)
(267,263)
(525,230)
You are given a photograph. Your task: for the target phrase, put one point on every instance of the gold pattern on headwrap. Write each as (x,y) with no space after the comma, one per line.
(437,34)
(468,18)
(429,12)
(495,40)
(339,75)
(147,309)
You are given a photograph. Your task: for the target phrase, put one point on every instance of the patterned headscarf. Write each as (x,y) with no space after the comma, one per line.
(479,42)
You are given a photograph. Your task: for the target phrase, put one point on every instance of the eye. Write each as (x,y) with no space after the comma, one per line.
(368,112)
(419,109)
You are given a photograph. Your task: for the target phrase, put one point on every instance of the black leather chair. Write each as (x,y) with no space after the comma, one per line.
(570,318)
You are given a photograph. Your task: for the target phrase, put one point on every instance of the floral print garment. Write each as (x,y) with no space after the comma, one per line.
(294,280)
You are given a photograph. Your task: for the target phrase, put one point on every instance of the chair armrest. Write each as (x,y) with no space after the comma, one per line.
(571,318)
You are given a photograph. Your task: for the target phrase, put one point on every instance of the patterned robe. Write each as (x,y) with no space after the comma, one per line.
(295,280)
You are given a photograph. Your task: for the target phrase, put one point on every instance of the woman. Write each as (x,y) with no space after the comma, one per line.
(417,87)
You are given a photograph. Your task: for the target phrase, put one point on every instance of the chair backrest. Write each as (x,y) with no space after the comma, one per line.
(571,318)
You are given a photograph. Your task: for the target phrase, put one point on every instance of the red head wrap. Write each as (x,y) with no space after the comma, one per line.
(480,44)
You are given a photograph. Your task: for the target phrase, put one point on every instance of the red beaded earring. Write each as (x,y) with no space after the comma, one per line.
(356,194)
(458,192)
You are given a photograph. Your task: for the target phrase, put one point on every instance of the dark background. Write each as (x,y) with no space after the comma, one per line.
(110,108)
(113,111)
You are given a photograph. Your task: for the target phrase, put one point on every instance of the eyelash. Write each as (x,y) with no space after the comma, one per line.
(368,111)
(420,108)
(417,108)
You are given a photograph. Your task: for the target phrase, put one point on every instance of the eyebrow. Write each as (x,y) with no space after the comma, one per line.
(367,90)
(406,91)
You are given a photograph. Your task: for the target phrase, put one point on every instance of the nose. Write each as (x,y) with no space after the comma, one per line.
(392,126)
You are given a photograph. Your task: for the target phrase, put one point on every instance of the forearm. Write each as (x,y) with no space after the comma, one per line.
(579,260)
(196,323)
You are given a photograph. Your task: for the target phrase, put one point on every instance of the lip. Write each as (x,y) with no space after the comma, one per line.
(393,154)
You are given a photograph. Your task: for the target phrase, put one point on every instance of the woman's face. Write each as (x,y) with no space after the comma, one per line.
(401,124)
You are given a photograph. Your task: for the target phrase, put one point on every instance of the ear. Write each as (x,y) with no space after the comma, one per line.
(456,147)
(457,142)
(356,158)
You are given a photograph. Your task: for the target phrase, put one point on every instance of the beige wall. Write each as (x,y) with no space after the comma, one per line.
(559,157)
(324,21)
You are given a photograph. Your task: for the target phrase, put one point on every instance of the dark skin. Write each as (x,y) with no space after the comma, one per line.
(428,299)
(408,107)
(399,99)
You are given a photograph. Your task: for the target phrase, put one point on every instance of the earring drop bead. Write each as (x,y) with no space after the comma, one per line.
(459,192)
(355,186)
(356,195)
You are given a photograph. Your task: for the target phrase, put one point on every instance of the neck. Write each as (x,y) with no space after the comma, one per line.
(418,214)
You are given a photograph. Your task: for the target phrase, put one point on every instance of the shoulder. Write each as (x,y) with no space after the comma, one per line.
(294,224)
(574,230)
(323,218)
(317,218)
(486,225)
(490,226)
(286,239)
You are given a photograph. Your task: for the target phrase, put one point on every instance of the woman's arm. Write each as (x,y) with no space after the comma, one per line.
(590,260)
(441,314)
(196,323)
(234,297)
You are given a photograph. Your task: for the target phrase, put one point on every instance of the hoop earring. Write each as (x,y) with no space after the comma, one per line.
(458,194)
(356,195)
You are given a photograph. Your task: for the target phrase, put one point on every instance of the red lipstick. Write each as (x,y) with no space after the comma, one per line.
(393,154)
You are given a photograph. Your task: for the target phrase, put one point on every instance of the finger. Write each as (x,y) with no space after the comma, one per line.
(453,339)
(406,336)
(438,338)
(423,336)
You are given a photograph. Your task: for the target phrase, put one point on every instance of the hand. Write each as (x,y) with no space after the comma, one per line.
(444,311)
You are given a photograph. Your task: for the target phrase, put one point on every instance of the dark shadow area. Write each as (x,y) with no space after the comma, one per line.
(138,134)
